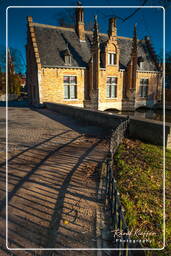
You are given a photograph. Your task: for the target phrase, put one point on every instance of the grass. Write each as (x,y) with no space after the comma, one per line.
(139,174)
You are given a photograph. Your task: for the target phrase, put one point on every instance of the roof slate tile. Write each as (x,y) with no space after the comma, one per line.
(53,42)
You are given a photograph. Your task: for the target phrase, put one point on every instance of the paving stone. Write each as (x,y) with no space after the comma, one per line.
(52,182)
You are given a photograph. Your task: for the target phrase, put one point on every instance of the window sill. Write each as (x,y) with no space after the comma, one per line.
(112,98)
(70,99)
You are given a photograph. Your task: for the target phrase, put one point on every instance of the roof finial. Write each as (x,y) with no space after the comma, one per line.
(134,41)
(135,30)
(95,30)
(112,31)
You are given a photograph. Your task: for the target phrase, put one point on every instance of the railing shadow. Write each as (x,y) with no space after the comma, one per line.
(76,125)
(42,180)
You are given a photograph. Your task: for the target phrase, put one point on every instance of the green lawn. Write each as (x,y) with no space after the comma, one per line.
(139,174)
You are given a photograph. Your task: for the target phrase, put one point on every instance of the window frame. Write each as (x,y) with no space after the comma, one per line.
(112,85)
(69,85)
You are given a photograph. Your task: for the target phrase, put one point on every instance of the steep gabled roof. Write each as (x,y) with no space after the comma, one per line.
(52,42)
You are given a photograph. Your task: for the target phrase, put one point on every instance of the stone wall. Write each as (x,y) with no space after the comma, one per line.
(52,85)
(94,117)
(150,131)
(146,130)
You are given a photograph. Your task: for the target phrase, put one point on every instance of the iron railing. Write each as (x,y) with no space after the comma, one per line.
(113,207)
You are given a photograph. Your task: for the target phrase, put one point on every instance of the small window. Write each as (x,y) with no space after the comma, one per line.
(141,65)
(111,87)
(143,88)
(70,87)
(140,62)
(67,59)
(111,58)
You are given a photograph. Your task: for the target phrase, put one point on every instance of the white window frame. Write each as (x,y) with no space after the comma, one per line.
(68,85)
(111,85)
(143,87)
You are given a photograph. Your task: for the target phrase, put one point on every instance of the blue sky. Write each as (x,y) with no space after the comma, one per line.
(149,21)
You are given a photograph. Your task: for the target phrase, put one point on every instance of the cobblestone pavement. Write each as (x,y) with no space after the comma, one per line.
(52,182)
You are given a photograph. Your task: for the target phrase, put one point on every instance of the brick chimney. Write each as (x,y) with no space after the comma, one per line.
(80,22)
(112,27)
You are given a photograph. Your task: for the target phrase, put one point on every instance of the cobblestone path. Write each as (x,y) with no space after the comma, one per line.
(52,182)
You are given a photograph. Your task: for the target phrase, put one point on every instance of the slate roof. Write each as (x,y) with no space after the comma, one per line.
(53,42)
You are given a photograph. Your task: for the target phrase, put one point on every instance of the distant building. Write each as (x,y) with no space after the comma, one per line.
(90,69)
(2,83)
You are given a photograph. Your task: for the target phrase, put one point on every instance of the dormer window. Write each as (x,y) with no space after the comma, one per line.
(112,58)
(140,62)
(67,56)
(67,60)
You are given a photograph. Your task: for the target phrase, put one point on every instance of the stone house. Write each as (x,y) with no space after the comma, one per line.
(90,69)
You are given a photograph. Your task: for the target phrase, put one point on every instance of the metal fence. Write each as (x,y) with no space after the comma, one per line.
(113,207)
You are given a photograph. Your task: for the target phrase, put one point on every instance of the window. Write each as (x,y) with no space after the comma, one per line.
(111,58)
(111,87)
(140,62)
(141,65)
(67,59)
(70,87)
(143,87)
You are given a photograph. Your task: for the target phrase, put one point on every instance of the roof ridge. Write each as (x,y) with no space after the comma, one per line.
(73,30)
(105,34)
(51,26)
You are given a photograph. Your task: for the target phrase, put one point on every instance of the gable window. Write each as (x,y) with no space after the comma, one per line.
(143,88)
(111,58)
(70,87)
(111,87)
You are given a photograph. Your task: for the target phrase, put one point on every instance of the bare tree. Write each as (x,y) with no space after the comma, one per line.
(66,18)
(17,59)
